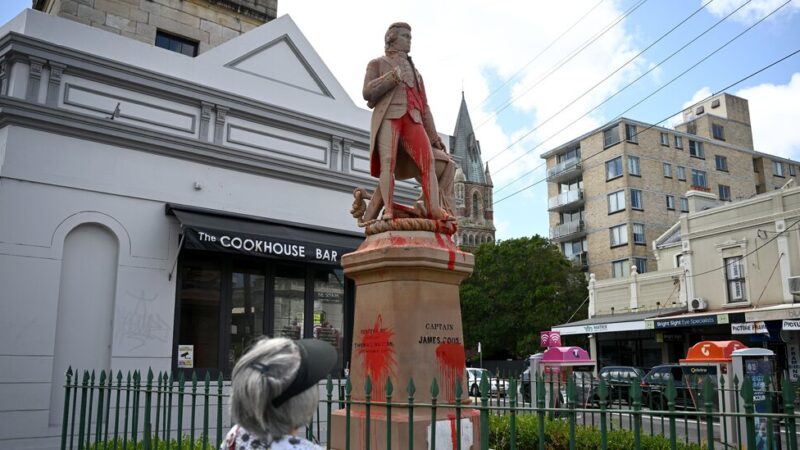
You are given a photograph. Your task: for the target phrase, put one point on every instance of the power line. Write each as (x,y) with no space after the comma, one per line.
(564,60)
(668,117)
(637,79)
(553,42)
(614,72)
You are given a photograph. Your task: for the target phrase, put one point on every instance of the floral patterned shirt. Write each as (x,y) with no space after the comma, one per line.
(240,439)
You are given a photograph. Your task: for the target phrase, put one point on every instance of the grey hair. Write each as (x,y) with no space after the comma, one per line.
(253,390)
(391,33)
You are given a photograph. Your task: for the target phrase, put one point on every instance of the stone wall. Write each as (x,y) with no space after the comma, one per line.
(209,23)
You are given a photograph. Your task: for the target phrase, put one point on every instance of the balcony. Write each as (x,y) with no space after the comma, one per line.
(565,200)
(564,170)
(580,260)
(568,230)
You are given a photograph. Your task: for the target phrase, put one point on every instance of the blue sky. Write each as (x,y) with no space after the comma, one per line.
(479,46)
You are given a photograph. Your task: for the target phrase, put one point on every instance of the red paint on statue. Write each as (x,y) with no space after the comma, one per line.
(451,359)
(377,349)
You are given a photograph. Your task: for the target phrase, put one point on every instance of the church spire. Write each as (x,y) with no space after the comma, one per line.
(465,147)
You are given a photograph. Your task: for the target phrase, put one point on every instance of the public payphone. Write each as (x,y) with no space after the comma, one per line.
(758,364)
(713,360)
(559,364)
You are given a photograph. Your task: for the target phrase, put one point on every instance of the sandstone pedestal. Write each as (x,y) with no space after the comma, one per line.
(407,326)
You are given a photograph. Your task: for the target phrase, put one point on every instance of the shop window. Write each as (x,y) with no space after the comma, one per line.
(289,312)
(329,307)
(247,311)
(734,278)
(199,303)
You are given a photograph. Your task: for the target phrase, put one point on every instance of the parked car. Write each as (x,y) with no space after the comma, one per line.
(686,379)
(497,387)
(618,380)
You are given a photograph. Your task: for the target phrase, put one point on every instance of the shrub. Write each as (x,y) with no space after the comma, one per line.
(186,444)
(556,436)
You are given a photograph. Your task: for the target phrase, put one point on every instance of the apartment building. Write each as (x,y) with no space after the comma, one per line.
(618,187)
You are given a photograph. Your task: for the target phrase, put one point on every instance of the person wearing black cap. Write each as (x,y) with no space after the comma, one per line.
(274,393)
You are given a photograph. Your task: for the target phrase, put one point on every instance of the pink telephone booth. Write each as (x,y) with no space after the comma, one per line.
(558,365)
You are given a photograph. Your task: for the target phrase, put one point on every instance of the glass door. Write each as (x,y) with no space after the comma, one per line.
(247,311)
(199,301)
(290,293)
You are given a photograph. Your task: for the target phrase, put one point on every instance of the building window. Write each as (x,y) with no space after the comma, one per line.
(638,233)
(678,260)
(718,132)
(696,149)
(616,201)
(792,170)
(691,128)
(721,162)
(475,206)
(619,269)
(724,192)
(633,166)
(614,168)
(619,235)
(610,136)
(630,134)
(684,204)
(734,278)
(665,139)
(682,173)
(698,178)
(670,202)
(777,168)
(667,168)
(636,199)
(176,44)
(641,264)
(679,142)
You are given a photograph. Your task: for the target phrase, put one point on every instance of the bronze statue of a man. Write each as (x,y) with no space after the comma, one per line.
(403,139)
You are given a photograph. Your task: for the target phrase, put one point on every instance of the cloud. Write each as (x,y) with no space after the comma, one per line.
(774,117)
(753,11)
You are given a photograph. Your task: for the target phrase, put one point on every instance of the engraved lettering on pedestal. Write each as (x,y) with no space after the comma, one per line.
(54,84)
(205,119)
(336,150)
(219,124)
(34,78)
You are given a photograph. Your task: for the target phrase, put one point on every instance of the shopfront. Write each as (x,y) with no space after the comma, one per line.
(240,278)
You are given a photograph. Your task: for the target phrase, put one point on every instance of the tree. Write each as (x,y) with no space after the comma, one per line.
(518,288)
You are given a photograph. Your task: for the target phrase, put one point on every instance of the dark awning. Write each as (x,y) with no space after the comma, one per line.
(232,233)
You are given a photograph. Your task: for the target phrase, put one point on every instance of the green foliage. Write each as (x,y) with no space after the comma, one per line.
(518,288)
(186,444)
(557,436)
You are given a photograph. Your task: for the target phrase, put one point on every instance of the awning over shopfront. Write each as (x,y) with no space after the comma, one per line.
(614,322)
(701,319)
(231,233)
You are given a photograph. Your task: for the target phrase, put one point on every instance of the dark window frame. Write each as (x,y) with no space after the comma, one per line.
(177,44)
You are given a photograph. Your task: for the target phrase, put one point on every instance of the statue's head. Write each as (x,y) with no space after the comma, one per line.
(390,39)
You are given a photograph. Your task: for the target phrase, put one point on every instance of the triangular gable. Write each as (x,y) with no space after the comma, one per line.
(277,52)
(281,61)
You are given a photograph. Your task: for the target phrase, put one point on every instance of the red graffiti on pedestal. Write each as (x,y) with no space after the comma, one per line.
(377,349)
(451,359)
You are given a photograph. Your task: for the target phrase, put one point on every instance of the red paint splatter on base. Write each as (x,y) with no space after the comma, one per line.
(451,359)
(377,349)
(453,437)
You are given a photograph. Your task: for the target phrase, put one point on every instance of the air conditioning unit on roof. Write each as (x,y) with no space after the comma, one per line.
(698,304)
(794,285)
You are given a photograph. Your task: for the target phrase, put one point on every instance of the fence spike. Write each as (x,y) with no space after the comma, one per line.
(389,387)
(368,386)
(434,388)
(411,389)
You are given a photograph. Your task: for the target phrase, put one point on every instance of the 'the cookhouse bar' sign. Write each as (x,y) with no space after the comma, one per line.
(241,277)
